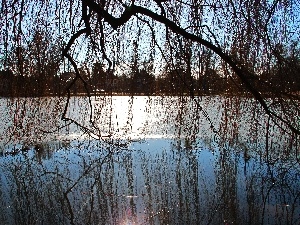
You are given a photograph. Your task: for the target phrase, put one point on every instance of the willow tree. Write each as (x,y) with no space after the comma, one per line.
(243,37)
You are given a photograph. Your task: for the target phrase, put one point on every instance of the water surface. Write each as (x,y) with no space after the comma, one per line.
(146,160)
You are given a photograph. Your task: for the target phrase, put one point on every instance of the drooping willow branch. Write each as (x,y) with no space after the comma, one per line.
(77,74)
(204,112)
(77,77)
(241,72)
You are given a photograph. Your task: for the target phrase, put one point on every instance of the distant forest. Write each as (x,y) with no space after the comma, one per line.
(141,81)
(35,70)
(99,81)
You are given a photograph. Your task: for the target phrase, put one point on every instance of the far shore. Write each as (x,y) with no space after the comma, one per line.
(99,94)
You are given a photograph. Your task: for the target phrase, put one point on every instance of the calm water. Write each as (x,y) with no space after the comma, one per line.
(145,160)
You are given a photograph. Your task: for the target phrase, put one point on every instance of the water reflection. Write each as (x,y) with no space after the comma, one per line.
(164,164)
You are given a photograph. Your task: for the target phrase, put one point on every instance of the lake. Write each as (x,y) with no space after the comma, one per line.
(145,160)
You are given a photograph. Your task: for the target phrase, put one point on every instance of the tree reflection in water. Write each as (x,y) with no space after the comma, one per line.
(167,166)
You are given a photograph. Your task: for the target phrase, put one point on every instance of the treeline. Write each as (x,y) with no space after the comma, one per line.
(34,70)
(175,82)
(284,78)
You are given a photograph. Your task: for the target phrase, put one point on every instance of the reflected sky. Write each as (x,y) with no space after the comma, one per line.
(162,165)
(156,181)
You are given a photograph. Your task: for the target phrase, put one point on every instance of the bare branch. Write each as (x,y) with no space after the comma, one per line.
(241,72)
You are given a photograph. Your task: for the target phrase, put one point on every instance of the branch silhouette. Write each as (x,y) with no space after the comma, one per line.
(241,72)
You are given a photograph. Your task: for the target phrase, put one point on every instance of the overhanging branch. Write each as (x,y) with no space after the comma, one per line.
(242,73)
